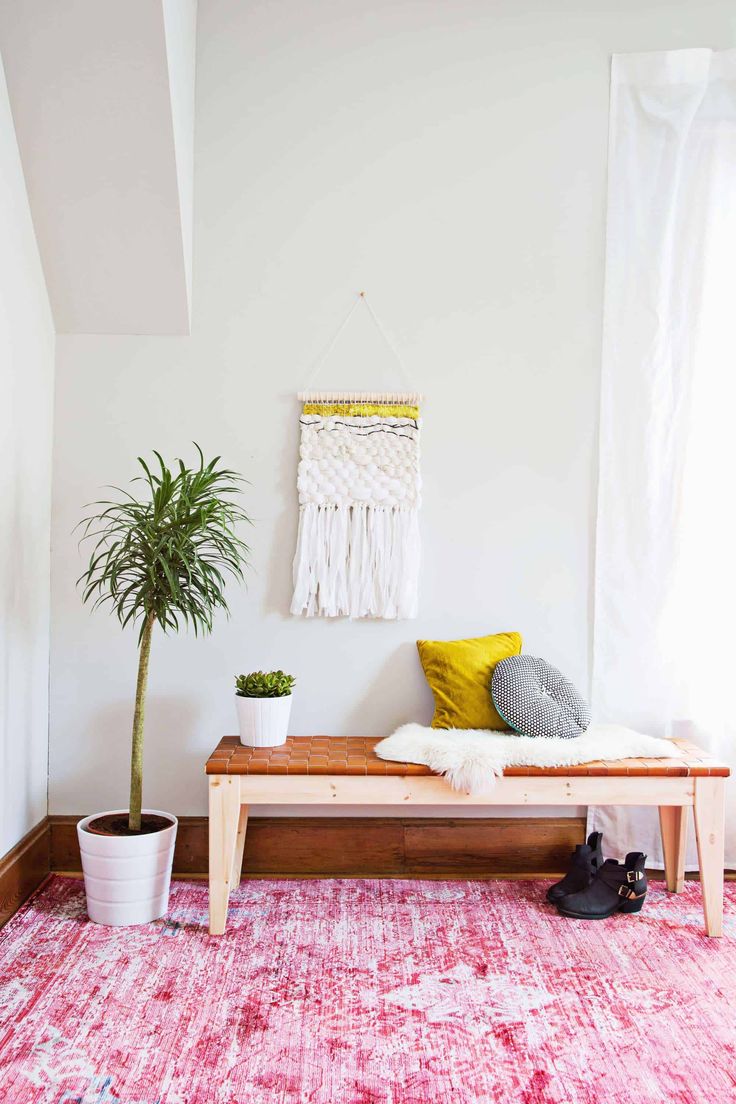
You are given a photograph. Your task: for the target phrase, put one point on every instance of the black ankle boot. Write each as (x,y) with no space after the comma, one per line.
(616,887)
(584,862)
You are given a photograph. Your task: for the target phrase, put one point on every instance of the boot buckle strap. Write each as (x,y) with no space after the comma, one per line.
(630,894)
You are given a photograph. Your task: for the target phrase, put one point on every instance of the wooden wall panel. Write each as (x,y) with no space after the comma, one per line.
(369,846)
(339,846)
(506,845)
(23,869)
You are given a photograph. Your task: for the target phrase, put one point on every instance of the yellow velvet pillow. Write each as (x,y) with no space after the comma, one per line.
(459,674)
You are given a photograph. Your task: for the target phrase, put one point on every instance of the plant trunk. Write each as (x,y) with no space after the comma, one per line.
(136,758)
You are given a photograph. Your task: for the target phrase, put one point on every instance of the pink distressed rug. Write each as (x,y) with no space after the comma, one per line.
(368,992)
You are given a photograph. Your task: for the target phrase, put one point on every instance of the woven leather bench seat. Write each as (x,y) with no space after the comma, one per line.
(354,755)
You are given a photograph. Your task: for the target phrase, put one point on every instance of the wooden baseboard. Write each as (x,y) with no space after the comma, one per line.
(369,846)
(319,847)
(23,869)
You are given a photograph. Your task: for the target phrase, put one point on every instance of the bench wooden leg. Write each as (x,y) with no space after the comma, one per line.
(709,812)
(239,847)
(223,831)
(673,826)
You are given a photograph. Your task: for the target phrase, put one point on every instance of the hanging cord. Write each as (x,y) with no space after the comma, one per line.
(322,357)
(412,396)
(389,342)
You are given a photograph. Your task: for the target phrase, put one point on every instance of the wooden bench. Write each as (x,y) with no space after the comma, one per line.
(344,770)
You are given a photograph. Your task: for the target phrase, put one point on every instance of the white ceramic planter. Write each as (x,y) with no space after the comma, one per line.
(127,878)
(264,722)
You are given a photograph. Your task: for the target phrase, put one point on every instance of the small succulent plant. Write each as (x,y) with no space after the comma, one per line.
(264,684)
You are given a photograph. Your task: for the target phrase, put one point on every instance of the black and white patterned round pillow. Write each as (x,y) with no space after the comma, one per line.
(535,699)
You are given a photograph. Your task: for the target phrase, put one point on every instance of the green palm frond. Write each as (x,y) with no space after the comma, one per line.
(167,550)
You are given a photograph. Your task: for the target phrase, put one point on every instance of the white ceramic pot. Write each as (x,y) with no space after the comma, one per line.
(264,722)
(127,878)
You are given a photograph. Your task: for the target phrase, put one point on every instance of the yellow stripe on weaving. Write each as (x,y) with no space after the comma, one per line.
(361,410)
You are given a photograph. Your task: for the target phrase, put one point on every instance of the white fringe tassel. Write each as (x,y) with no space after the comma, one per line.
(356,561)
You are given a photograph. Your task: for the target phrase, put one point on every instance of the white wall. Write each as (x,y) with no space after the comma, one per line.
(26,403)
(450,159)
(180,26)
(102,107)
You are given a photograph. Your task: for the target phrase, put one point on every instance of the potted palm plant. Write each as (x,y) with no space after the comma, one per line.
(160,558)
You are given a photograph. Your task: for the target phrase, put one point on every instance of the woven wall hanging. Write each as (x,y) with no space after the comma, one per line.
(357,551)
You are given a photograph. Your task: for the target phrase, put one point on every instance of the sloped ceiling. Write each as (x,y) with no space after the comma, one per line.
(102,95)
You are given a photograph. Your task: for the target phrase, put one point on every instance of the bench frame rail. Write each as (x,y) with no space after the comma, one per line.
(231,796)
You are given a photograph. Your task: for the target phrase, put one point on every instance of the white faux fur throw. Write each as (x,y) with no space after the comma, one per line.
(472,759)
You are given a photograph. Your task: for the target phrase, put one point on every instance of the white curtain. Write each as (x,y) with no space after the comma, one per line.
(665,590)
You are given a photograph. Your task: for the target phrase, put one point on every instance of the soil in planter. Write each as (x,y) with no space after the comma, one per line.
(116,824)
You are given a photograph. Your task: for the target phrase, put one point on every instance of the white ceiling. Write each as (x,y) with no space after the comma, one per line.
(102,94)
